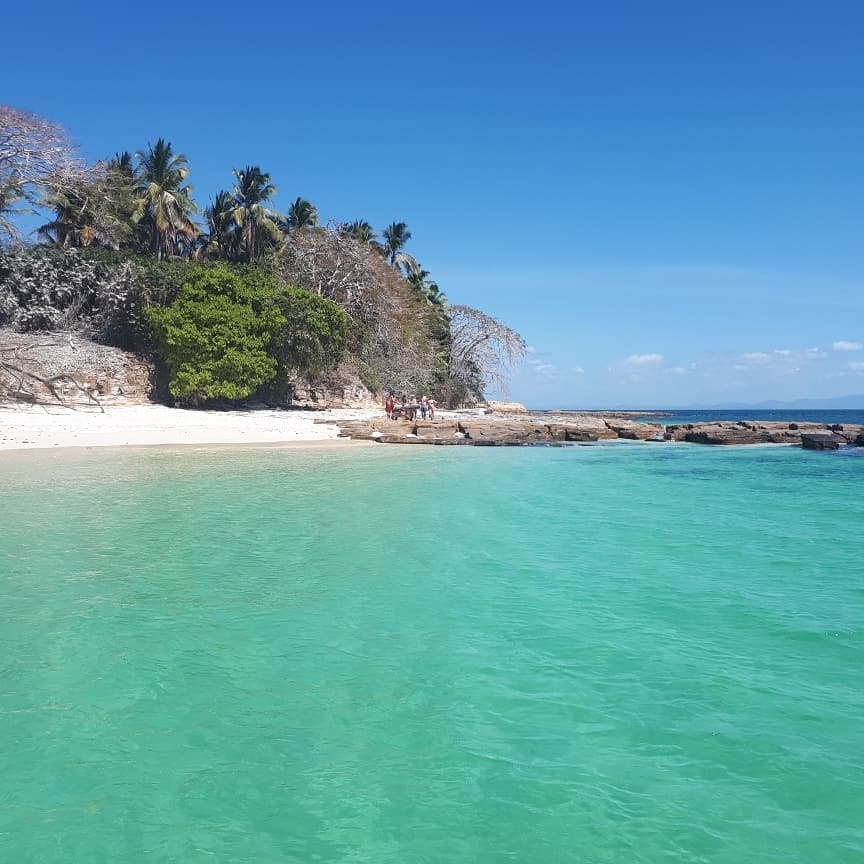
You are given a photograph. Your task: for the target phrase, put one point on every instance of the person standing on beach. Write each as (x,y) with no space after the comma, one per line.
(389,404)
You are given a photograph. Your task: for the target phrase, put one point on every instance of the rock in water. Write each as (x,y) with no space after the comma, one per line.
(819,441)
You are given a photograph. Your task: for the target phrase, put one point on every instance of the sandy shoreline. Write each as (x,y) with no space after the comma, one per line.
(26,427)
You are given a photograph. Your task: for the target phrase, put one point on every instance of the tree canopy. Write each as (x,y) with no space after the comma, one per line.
(482,352)
(35,156)
(330,289)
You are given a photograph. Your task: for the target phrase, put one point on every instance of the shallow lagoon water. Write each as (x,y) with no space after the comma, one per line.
(642,653)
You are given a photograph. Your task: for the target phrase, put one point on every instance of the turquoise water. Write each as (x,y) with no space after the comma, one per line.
(624,653)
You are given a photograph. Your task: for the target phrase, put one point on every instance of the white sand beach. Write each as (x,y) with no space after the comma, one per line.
(26,427)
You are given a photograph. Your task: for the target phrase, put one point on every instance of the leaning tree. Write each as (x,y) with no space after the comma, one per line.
(482,353)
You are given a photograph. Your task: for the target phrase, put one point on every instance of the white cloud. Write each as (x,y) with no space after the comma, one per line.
(857,367)
(779,358)
(577,370)
(540,366)
(677,370)
(843,345)
(642,360)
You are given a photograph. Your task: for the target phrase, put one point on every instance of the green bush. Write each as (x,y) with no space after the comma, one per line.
(216,337)
(315,333)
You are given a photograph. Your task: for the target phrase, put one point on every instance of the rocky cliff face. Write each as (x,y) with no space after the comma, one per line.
(64,368)
(340,388)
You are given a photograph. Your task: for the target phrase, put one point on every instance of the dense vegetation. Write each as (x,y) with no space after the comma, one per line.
(231,298)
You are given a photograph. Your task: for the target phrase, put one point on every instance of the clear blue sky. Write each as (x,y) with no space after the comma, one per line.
(666,199)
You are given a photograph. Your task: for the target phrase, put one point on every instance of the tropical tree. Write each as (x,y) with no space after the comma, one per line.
(120,204)
(216,336)
(75,218)
(95,210)
(419,280)
(395,235)
(361,230)
(222,231)
(316,332)
(165,207)
(255,222)
(301,214)
(121,164)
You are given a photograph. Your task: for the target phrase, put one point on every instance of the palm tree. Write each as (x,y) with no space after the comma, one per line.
(415,275)
(361,230)
(165,205)
(301,214)
(74,218)
(10,193)
(222,240)
(121,164)
(434,295)
(418,279)
(255,222)
(395,235)
(92,211)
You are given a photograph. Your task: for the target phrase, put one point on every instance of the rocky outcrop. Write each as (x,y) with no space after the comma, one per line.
(69,369)
(820,441)
(505,408)
(539,429)
(506,432)
(339,388)
(761,432)
(635,431)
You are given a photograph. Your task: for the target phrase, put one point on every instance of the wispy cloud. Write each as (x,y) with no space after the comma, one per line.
(779,357)
(857,367)
(642,360)
(537,364)
(843,345)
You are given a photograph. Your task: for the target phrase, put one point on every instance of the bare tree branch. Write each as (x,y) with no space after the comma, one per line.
(483,351)
(34,155)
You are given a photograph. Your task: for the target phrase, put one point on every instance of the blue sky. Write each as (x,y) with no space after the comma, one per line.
(666,199)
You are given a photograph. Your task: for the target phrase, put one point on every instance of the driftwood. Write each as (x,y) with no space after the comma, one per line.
(16,363)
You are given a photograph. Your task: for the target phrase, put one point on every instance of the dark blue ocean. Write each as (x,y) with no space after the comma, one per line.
(832,415)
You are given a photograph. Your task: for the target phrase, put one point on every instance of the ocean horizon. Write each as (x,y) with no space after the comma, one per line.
(622,651)
(713,415)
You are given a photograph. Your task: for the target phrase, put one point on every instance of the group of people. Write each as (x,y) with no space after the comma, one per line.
(407,408)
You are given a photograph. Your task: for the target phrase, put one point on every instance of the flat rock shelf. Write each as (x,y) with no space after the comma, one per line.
(537,429)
